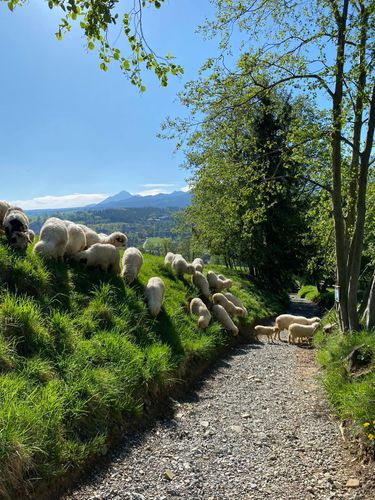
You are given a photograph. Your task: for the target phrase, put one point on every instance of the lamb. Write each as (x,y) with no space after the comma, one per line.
(116,239)
(4,206)
(298,331)
(198,264)
(269,331)
(199,280)
(132,262)
(16,226)
(219,298)
(218,284)
(76,238)
(91,236)
(154,292)
(198,308)
(284,320)
(169,258)
(181,267)
(102,255)
(237,302)
(53,239)
(223,317)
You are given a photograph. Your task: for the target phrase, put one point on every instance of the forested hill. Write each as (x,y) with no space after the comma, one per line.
(137,223)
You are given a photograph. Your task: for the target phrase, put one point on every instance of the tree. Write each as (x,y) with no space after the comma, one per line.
(325,47)
(96,18)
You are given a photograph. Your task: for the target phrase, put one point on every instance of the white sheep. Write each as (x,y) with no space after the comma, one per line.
(169,258)
(132,262)
(223,317)
(181,267)
(284,320)
(298,331)
(53,239)
(198,308)
(200,281)
(154,292)
(198,264)
(218,284)
(31,235)
(237,302)
(16,227)
(116,239)
(102,255)
(76,238)
(4,206)
(91,236)
(219,298)
(268,331)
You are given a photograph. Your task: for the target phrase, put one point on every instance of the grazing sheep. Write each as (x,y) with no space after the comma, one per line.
(76,238)
(237,302)
(181,267)
(102,255)
(16,227)
(91,236)
(4,207)
(199,281)
(31,235)
(298,331)
(154,292)
(284,320)
(116,239)
(219,298)
(218,284)
(198,308)
(223,317)
(198,264)
(53,239)
(169,258)
(268,331)
(132,262)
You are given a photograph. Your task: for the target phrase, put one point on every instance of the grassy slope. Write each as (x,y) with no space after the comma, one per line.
(352,397)
(79,352)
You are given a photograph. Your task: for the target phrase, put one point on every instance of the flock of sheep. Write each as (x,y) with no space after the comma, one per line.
(61,239)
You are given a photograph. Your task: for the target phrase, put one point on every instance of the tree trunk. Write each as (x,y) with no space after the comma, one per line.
(370,315)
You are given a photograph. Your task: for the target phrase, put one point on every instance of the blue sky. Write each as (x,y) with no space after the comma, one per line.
(68,129)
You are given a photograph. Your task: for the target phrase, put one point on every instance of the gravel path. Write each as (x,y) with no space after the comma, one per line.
(257,428)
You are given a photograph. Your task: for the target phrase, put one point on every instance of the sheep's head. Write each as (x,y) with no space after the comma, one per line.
(118,239)
(19,240)
(316,325)
(190,269)
(316,319)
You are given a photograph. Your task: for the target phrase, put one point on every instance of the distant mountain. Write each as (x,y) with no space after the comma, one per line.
(119,197)
(177,199)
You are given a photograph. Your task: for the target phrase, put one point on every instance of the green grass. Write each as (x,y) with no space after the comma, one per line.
(352,397)
(324,299)
(80,355)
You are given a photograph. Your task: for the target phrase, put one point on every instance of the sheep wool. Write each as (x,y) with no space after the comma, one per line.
(268,331)
(284,320)
(53,239)
(198,308)
(199,281)
(169,258)
(237,302)
(91,236)
(4,206)
(31,235)
(218,284)
(102,255)
(76,239)
(298,331)
(154,292)
(219,298)
(223,317)
(116,239)
(16,227)
(198,264)
(181,267)
(132,262)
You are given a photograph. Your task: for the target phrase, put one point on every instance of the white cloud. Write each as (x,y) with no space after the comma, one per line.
(158,185)
(64,201)
(185,189)
(152,192)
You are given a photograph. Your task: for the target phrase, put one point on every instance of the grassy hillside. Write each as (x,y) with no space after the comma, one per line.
(79,356)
